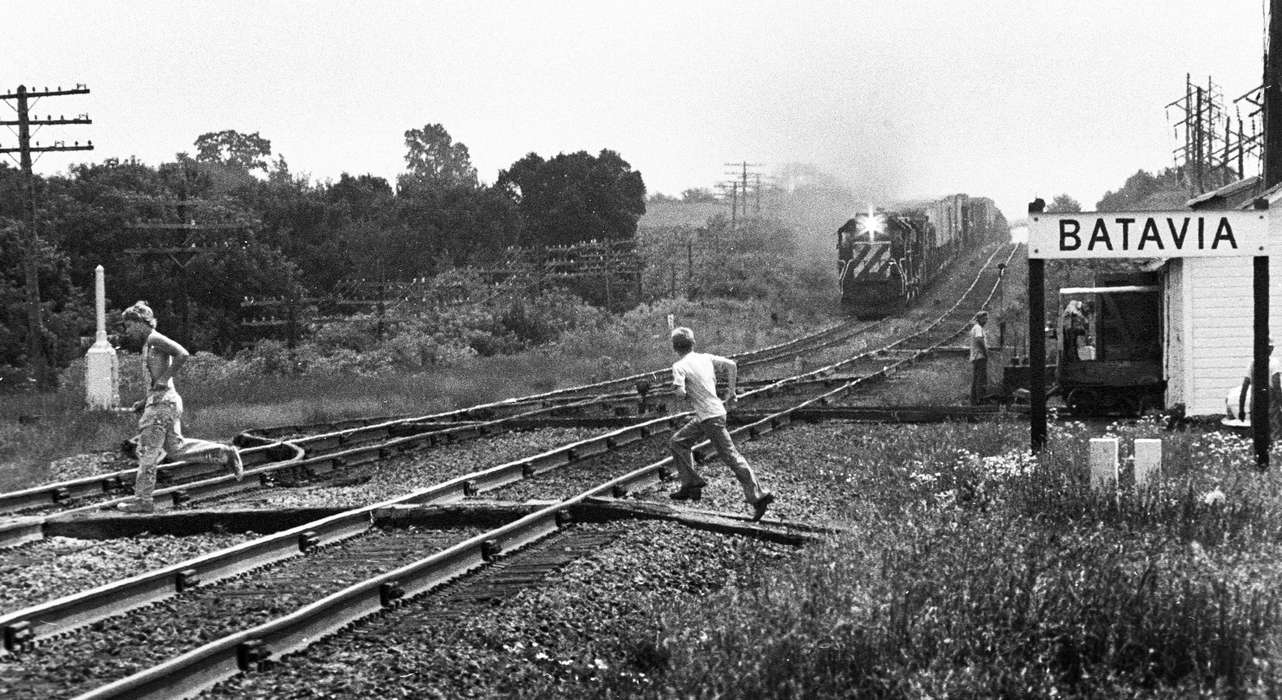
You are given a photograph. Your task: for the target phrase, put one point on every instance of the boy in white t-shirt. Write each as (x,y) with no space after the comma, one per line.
(695,377)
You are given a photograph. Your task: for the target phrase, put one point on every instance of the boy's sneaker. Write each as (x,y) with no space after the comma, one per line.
(135,505)
(234,464)
(759,508)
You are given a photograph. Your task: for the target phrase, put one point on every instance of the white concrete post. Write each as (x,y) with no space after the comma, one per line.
(102,368)
(1148,461)
(1103,457)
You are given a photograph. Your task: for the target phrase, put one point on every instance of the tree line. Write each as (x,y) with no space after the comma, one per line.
(198,235)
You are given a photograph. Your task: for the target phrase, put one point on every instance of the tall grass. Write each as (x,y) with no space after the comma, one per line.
(1001,576)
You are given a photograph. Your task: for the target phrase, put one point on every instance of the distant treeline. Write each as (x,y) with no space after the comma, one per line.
(198,235)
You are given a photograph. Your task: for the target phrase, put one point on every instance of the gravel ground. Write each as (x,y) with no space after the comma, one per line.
(89,464)
(114,648)
(394,477)
(58,566)
(592,612)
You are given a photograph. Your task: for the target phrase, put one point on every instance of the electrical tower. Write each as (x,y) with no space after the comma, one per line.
(25,99)
(1213,147)
(196,239)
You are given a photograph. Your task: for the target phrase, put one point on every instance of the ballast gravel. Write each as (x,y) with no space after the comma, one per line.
(545,640)
(57,566)
(379,481)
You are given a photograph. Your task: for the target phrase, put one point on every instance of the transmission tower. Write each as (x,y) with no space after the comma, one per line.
(1212,145)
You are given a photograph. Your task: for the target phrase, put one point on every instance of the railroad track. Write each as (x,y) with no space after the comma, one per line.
(319,449)
(296,610)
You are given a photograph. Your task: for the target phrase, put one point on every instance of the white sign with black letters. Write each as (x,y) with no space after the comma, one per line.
(1149,234)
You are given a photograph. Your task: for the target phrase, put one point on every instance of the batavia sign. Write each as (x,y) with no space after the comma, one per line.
(1148,234)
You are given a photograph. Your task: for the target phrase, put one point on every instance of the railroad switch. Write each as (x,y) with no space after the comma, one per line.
(186,580)
(564,517)
(527,470)
(390,593)
(490,550)
(267,480)
(181,497)
(252,654)
(307,540)
(619,491)
(664,473)
(17,635)
(469,488)
(60,495)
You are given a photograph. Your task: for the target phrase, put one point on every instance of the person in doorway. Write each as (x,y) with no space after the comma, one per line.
(1275,394)
(694,375)
(978,359)
(1073,326)
(160,427)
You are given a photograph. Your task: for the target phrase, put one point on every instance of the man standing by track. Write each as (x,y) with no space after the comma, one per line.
(978,359)
(694,375)
(160,427)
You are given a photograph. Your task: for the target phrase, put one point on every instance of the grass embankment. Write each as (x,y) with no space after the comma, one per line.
(974,570)
(223,398)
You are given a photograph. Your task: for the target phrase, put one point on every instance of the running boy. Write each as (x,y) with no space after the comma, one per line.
(160,427)
(694,376)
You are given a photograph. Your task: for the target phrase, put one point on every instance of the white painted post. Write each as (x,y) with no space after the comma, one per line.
(672,322)
(1148,461)
(102,368)
(1103,456)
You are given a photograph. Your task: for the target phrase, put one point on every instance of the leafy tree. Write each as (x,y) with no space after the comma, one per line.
(247,152)
(1063,204)
(1146,191)
(575,197)
(435,160)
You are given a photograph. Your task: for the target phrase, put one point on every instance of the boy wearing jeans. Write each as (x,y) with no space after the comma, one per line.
(160,427)
(694,376)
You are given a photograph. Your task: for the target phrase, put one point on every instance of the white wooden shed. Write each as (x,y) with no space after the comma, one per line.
(1208,311)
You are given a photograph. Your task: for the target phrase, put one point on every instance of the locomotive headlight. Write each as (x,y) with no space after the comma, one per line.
(872,222)
(876,224)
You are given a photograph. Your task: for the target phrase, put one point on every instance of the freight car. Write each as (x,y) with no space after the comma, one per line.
(885,259)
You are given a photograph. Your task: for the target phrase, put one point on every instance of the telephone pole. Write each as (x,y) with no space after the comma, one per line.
(1273,98)
(36,360)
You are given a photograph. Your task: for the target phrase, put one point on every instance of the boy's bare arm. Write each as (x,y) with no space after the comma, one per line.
(176,353)
(731,369)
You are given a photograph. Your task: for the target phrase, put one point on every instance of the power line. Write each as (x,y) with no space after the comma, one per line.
(35,324)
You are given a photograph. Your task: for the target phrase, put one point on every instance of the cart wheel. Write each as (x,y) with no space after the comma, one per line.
(1083,402)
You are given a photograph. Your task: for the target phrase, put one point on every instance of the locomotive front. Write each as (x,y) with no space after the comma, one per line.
(870,254)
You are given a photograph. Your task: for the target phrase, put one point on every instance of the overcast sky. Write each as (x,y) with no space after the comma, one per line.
(1007,98)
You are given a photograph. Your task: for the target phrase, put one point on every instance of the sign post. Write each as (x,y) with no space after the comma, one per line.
(1148,234)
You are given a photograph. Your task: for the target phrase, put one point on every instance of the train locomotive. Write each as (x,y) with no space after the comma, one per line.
(885,259)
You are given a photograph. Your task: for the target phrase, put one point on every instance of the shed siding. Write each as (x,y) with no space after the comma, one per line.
(1220,332)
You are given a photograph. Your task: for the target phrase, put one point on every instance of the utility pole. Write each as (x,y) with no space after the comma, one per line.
(1260,283)
(1273,98)
(36,360)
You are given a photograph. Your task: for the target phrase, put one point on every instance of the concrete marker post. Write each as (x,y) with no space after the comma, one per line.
(1148,462)
(102,367)
(1103,460)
